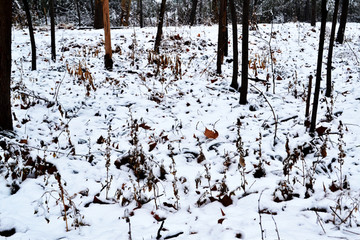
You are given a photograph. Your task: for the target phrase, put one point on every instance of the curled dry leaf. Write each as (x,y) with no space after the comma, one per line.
(212,134)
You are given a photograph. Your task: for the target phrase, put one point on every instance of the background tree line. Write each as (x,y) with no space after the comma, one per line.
(178,12)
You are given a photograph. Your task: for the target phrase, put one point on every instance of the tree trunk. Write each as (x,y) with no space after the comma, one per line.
(234,83)
(160,26)
(98,17)
(108,51)
(221,36)
(344,13)
(92,8)
(245,53)
(319,65)
(313,13)
(141,13)
(52,22)
(31,33)
(215,11)
(330,53)
(193,12)
(78,11)
(125,12)
(5,65)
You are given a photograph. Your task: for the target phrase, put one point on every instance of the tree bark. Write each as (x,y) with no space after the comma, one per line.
(160,26)
(52,23)
(319,66)
(78,11)
(31,33)
(125,12)
(98,17)
(342,25)
(193,12)
(245,53)
(313,13)
(234,83)
(221,36)
(5,65)
(108,51)
(141,13)
(330,52)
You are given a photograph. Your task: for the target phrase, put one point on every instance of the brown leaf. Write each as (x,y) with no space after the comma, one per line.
(23,141)
(152,145)
(220,221)
(321,130)
(222,212)
(226,201)
(279,78)
(212,134)
(144,126)
(242,161)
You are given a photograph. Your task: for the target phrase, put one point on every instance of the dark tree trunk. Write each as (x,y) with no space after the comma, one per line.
(313,13)
(92,7)
(193,12)
(307,11)
(319,65)
(342,25)
(226,35)
(234,83)
(31,33)
(245,53)
(330,53)
(78,11)
(215,11)
(98,17)
(160,26)
(221,36)
(5,65)
(108,51)
(52,22)
(141,13)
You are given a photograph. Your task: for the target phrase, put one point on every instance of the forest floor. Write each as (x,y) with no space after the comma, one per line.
(160,148)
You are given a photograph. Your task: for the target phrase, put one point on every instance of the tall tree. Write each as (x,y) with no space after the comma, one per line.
(52,23)
(319,66)
(221,36)
(234,83)
(108,51)
(313,13)
(193,12)
(342,25)
(245,53)
(141,13)
(5,64)
(330,52)
(31,33)
(78,11)
(160,26)
(98,16)
(125,12)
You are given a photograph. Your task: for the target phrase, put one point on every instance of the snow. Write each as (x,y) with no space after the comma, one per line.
(61,119)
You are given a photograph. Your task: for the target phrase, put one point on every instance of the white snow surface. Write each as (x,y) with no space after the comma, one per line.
(61,119)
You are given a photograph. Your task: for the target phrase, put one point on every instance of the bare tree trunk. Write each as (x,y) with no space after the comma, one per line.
(193,12)
(245,53)
(125,12)
(31,33)
(5,65)
(234,83)
(92,8)
(342,25)
(215,11)
(330,53)
(160,26)
(108,51)
(141,14)
(313,13)
(221,36)
(52,23)
(319,66)
(78,11)
(98,17)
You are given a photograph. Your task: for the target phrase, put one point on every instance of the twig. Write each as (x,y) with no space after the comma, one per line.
(174,235)
(259,212)
(319,220)
(160,228)
(58,178)
(276,227)
(356,58)
(272,109)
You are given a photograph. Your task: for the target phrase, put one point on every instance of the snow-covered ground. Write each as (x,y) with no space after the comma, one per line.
(160,147)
